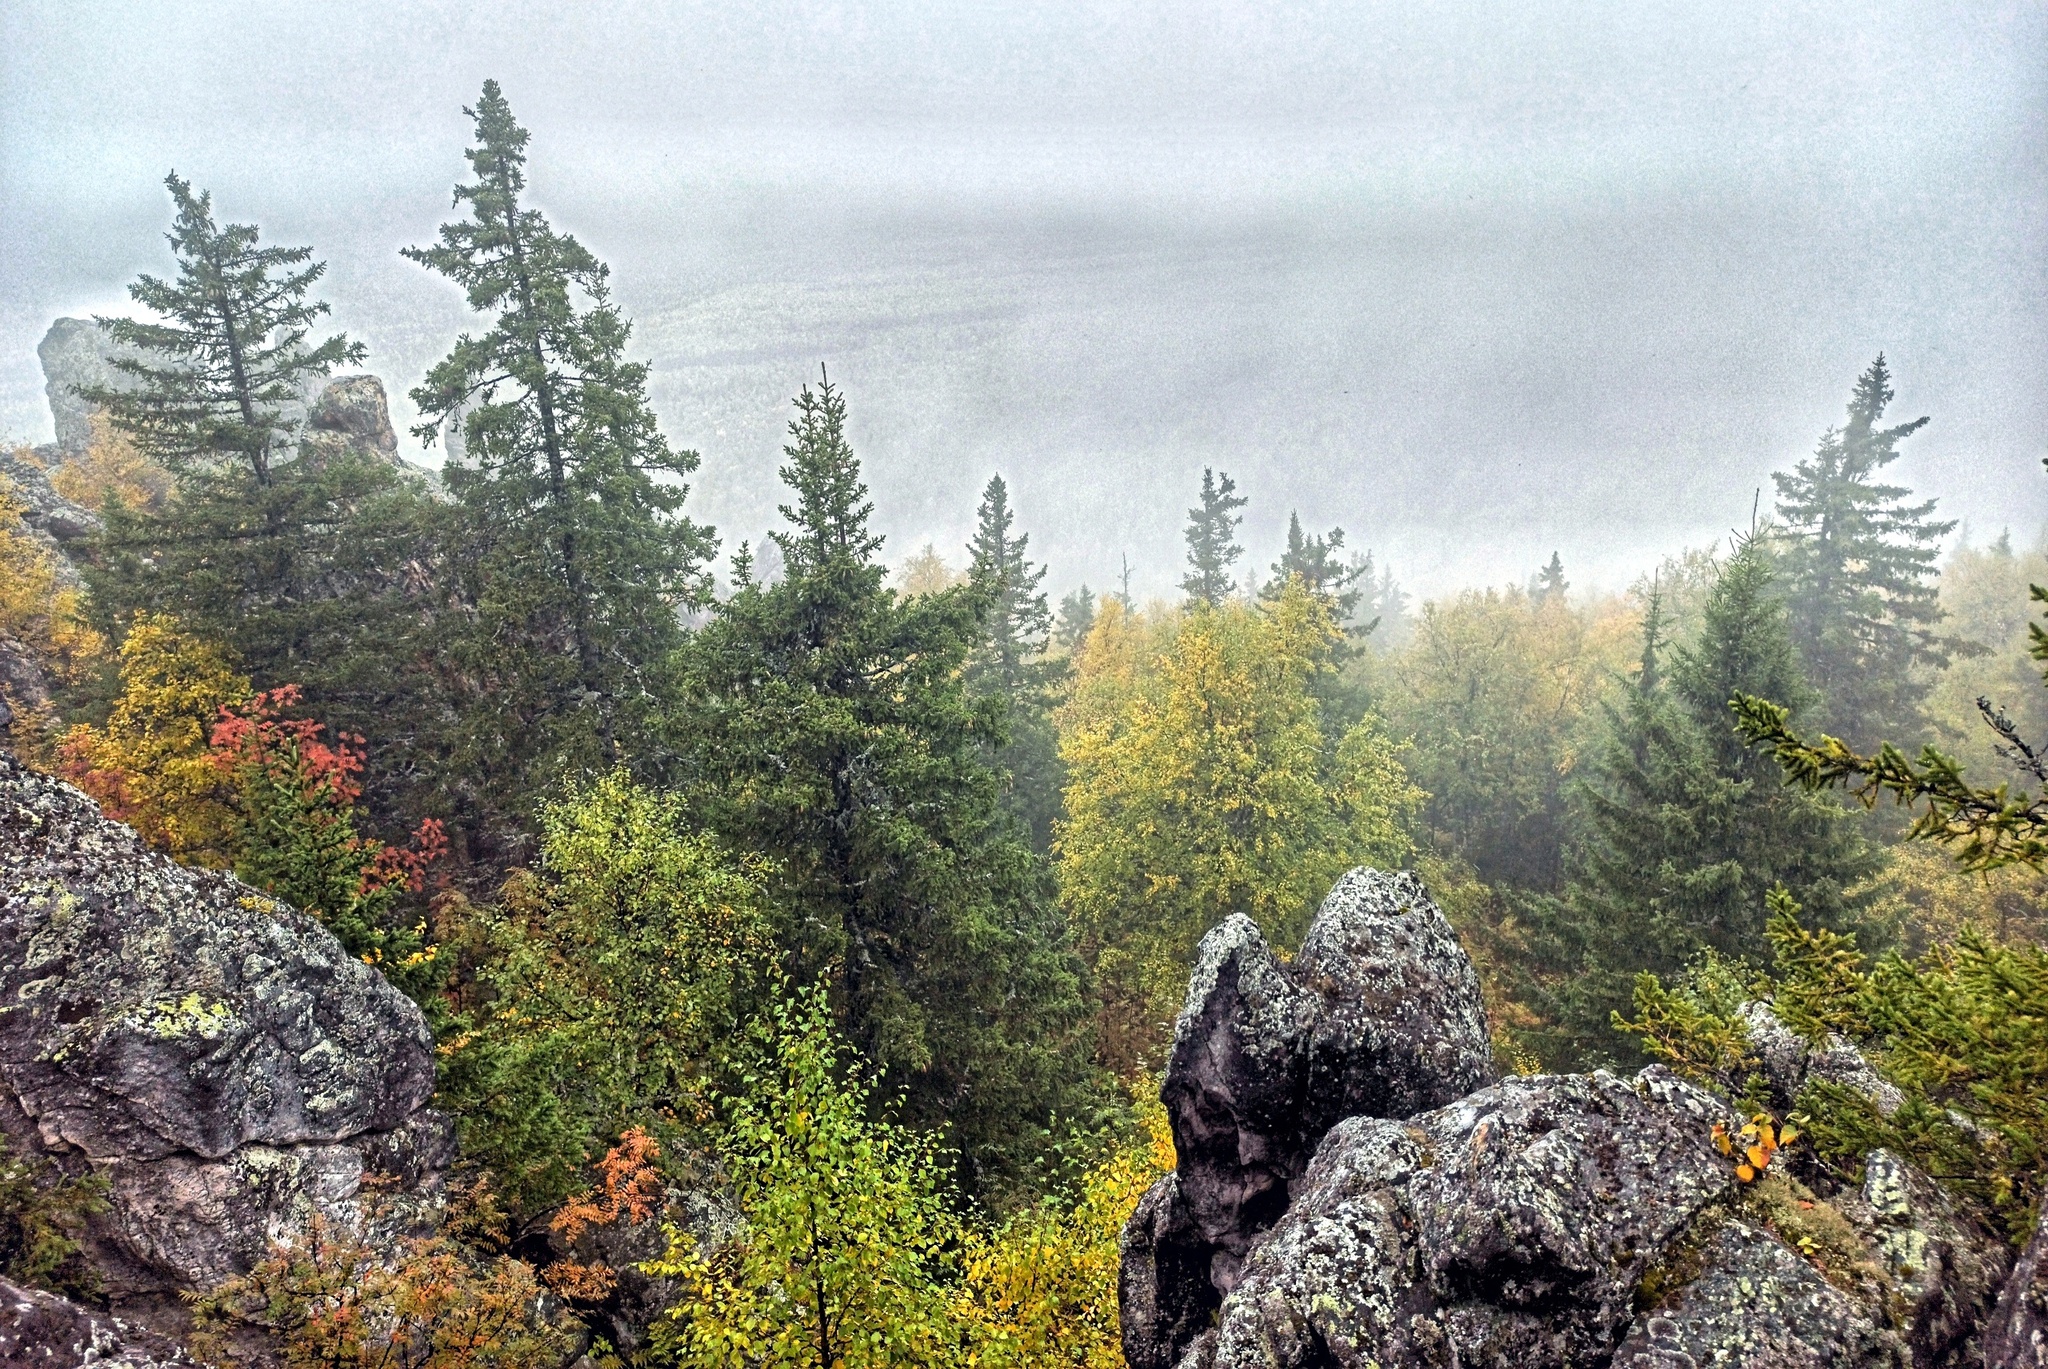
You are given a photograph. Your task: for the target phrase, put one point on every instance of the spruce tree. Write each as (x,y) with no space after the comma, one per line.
(1682,828)
(1010,664)
(1550,581)
(295,567)
(1316,559)
(1076,620)
(827,724)
(1212,542)
(572,560)
(1860,564)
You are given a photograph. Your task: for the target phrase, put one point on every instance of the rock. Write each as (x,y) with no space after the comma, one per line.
(1756,1305)
(43,1331)
(54,519)
(1945,1268)
(2016,1336)
(213,1053)
(350,417)
(1163,1285)
(1791,1063)
(1511,1228)
(76,354)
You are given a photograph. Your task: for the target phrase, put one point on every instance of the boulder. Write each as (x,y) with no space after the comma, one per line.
(1943,1266)
(1379,1015)
(213,1053)
(52,518)
(350,416)
(1512,1228)
(40,1330)
(76,354)
(2017,1335)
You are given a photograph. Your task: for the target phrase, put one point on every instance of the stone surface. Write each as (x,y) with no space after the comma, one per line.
(1791,1063)
(212,1052)
(43,1331)
(53,518)
(350,416)
(2016,1337)
(76,353)
(1757,1305)
(1510,1228)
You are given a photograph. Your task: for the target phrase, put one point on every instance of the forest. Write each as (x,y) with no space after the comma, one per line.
(860,884)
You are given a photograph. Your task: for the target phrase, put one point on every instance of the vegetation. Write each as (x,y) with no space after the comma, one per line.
(864,911)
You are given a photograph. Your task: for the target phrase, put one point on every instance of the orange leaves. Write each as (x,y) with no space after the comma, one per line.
(629,1189)
(1754,1146)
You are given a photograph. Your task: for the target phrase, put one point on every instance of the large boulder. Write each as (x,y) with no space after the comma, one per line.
(212,1053)
(77,354)
(349,417)
(40,1330)
(2017,1334)
(1379,1015)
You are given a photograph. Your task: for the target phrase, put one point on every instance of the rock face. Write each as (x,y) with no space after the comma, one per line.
(350,415)
(76,354)
(1356,1191)
(1379,1015)
(214,1054)
(2017,1336)
(43,1331)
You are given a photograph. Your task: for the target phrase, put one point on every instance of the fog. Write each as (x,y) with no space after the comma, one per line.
(1474,282)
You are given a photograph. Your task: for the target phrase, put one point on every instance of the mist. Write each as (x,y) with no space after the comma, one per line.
(1473,286)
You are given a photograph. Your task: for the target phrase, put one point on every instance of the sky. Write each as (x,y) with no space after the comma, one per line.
(1474,283)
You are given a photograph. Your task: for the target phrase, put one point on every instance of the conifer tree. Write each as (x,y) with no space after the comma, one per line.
(1011,664)
(1550,581)
(292,566)
(573,560)
(1212,541)
(1076,620)
(1316,559)
(1860,571)
(214,382)
(1683,829)
(827,725)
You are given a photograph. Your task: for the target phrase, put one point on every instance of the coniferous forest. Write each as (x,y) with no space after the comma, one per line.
(861,889)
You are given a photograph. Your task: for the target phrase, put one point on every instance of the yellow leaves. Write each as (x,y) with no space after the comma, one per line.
(1754,1146)
(112,467)
(36,608)
(150,766)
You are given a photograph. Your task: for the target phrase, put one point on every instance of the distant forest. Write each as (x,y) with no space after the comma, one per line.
(876,878)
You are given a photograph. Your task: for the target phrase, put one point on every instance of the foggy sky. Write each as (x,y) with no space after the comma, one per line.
(1475,283)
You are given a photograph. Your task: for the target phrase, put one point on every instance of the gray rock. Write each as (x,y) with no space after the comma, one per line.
(1791,1063)
(350,417)
(54,519)
(40,1330)
(1379,1015)
(2016,1336)
(1944,1266)
(1756,1305)
(1511,1228)
(77,354)
(214,1053)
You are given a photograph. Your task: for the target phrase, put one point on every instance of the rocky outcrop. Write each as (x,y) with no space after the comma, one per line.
(77,354)
(1355,1190)
(2017,1335)
(49,515)
(43,1331)
(214,1054)
(1379,1015)
(350,417)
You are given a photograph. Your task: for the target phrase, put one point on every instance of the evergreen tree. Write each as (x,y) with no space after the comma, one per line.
(1076,620)
(292,565)
(1860,571)
(572,561)
(1316,560)
(1212,542)
(1011,664)
(827,725)
(1550,581)
(1683,829)
(214,383)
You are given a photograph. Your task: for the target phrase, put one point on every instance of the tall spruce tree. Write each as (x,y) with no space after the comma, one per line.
(1550,581)
(1076,620)
(1319,561)
(1011,664)
(1212,542)
(828,725)
(572,559)
(1682,828)
(295,566)
(1860,566)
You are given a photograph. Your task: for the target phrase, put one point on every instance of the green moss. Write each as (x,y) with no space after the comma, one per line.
(1816,1229)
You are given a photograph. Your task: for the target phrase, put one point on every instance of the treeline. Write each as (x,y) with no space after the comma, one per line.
(874,901)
